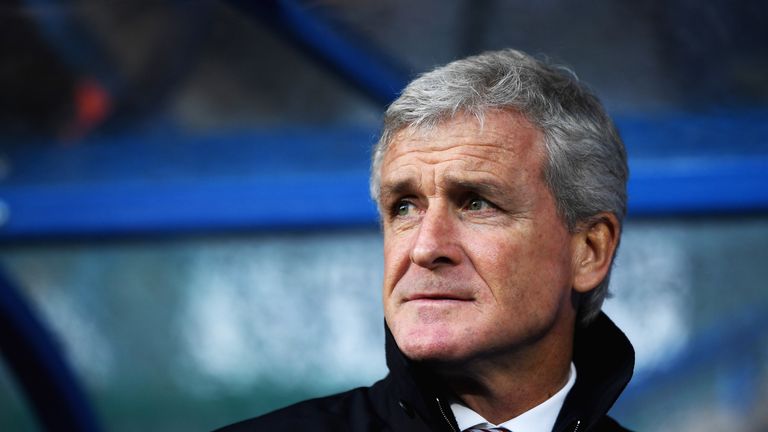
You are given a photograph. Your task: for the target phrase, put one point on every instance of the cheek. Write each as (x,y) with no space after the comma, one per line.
(495,262)
(518,268)
(396,261)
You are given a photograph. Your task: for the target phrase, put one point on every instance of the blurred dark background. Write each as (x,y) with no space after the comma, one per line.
(183,194)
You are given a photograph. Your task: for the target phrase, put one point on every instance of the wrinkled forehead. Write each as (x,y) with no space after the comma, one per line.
(503,134)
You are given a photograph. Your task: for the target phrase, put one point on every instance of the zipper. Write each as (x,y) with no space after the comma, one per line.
(578,423)
(445,417)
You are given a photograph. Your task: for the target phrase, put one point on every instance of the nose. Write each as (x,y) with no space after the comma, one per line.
(436,244)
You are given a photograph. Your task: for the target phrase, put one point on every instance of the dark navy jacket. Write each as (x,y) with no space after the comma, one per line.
(409,399)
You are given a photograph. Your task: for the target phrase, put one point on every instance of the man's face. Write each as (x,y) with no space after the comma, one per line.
(477,260)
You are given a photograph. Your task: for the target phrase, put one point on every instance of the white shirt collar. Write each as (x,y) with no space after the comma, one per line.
(540,418)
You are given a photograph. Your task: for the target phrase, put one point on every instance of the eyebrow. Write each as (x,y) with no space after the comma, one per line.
(481,187)
(454,185)
(398,188)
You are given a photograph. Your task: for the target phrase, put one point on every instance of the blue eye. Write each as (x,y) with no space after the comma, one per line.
(403,208)
(477,204)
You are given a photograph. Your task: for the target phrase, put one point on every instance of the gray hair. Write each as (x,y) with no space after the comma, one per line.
(586,167)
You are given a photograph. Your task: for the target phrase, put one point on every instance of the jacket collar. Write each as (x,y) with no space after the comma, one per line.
(417,386)
(604,360)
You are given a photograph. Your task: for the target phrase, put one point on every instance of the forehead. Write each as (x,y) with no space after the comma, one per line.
(502,140)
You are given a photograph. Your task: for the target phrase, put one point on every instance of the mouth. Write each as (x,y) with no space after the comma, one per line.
(437,298)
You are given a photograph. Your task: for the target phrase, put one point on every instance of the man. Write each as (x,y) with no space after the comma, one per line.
(501,185)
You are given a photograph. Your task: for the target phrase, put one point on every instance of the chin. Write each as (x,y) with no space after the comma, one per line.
(440,346)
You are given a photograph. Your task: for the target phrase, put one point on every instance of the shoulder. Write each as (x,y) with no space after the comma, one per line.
(348,411)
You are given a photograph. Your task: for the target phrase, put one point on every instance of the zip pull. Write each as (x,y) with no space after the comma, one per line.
(445,417)
(576,428)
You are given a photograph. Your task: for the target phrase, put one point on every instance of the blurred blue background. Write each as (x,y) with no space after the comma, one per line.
(183,194)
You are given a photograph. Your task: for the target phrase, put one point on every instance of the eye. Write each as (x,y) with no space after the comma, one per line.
(478,204)
(402,208)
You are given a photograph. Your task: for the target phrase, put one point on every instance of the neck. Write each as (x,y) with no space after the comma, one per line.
(504,386)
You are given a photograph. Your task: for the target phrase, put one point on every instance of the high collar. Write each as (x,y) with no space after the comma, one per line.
(604,360)
(417,385)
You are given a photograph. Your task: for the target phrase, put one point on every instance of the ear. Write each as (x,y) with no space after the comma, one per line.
(594,244)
